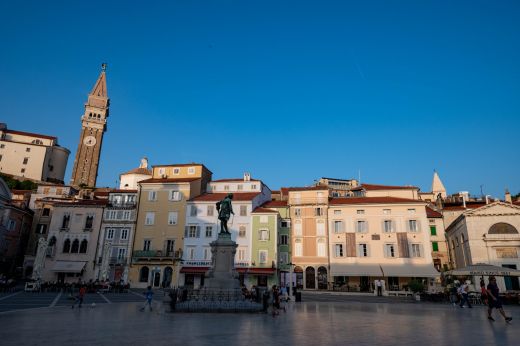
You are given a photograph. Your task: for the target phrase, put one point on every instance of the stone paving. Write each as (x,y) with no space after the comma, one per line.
(311,322)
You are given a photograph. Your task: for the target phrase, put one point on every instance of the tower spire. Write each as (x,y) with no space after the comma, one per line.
(438,186)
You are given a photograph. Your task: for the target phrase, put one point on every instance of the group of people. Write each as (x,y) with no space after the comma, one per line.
(488,294)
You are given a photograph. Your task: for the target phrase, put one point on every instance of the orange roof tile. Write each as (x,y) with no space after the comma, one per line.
(432,213)
(142,171)
(264,210)
(30,134)
(275,204)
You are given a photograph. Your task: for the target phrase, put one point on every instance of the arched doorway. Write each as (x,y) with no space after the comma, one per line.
(167,277)
(156,279)
(143,274)
(310,280)
(322,278)
(298,271)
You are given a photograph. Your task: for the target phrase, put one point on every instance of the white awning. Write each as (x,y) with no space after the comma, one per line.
(68,266)
(355,270)
(411,270)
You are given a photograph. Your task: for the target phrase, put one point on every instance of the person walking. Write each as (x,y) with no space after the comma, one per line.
(79,297)
(379,287)
(276,301)
(149,295)
(483,291)
(464,292)
(494,300)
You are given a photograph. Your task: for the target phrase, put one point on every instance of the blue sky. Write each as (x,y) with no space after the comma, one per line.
(287,90)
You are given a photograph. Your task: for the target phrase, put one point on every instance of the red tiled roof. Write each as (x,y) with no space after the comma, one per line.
(432,213)
(383,187)
(372,200)
(461,207)
(99,202)
(215,197)
(275,204)
(275,191)
(30,134)
(264,210)
(142,171)
(231,180)
(168,180)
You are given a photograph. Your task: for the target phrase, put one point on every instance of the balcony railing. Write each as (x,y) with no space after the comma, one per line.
(122,204)
(114,260)
(156,254)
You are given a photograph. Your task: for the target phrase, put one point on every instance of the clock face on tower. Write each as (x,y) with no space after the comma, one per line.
(89,141)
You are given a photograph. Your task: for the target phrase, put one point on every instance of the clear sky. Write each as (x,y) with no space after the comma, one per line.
(287,90)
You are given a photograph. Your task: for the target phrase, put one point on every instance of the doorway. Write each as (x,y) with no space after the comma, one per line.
(156,279)
(310,280)
(511,282)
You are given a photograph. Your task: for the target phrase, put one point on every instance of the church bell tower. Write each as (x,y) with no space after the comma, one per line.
(93,126)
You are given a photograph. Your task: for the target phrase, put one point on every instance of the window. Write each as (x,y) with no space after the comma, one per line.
(362,250)
(41,228)
(193,210)
(361,226)
(0,157)
(297,212)
(143,274)
(318,211)
(22,170)
(240,187)
(161,172)
(264,218)
(389,250)
(283,257)
(66,246)
(320,227)
(89,221)
(65,221)
(75,246)
(150,218)
(285,223)
(25,160)
(110,233)
(169,247)
(411,211)
(253,187)
(263,234)
(46,212)
(191,170)
(360,211)
(433,230)
(152,195)
(387,211)
(298,227)
(191,252)
(412,225)
(175,196)
(172,218)
(337,212)
(176,171)
(226,187)
(322,248)
(435,246)
(209,231)
(338,226)
(126,214)
(416,250)
(124,234)
(192,231)
(242,231)
(3,146)
(241,254)
(211,210)
(146,245)
(121,252)
(83,246)
(298,247)
(388,226)
(207,253)
(243,210)
(338,250)
(262,256)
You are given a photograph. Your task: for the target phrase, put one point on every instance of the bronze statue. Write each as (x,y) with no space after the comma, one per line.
(225,209)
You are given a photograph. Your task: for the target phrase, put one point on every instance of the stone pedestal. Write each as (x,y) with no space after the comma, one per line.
(222,274)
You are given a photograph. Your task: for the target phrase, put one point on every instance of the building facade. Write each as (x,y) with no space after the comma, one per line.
(32,156)
(93,127)
(439,246)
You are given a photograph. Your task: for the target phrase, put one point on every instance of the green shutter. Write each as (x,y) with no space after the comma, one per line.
(435,246)
(433,230)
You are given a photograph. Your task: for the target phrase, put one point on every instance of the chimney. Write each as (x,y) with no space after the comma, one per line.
(464,195)
(508,198)
(487,199)
(247,176)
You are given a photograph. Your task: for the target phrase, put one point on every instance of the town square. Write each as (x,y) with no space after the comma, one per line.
(259,172)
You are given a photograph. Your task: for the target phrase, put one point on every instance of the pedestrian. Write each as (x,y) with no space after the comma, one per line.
(483,291)
(149,295)
(79,297)
(494,300)
(464,290)
(379,286)
(276,301)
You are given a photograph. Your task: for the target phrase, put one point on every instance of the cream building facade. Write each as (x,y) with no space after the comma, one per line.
(130,180)
(378,238)
(159,237)
(32,156)
(439,246)
(489,234)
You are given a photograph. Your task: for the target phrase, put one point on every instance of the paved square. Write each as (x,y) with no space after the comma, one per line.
(312,322)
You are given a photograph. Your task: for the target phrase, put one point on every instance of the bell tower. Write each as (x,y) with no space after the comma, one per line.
(93,126)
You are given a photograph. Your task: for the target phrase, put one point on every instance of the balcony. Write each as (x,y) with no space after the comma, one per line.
(128,205)
(114,260)
(156,255)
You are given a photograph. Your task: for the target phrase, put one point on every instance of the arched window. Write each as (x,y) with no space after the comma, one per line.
(143,274)
(310,280)
(66,246)
(75,246)
(502,228)
(83,246)
(52,241)
(90,115)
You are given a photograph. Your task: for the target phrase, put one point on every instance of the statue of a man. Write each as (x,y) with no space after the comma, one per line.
(225,209)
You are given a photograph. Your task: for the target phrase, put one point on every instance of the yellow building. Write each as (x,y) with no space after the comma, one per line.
(158,241)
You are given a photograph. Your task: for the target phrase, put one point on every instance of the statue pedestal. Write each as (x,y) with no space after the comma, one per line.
(222,274)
